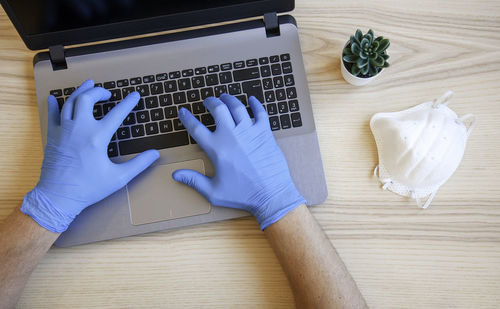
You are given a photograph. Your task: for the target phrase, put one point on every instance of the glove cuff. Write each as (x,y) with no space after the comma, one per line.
(40,208)
(280,206)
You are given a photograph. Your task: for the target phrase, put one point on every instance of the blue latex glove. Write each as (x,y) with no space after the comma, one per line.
(76,170)
(251,172)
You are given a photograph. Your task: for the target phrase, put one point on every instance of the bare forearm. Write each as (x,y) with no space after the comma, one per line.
(318,277)
(22,244)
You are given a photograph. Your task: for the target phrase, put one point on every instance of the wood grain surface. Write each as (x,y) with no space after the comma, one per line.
(447,256)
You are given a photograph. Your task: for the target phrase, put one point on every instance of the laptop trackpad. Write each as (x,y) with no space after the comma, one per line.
(154,196)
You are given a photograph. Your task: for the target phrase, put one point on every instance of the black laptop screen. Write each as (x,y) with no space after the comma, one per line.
(38,17)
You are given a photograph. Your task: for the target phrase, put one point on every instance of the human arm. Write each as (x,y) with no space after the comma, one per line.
(76,173)
(317,275)
(251,173)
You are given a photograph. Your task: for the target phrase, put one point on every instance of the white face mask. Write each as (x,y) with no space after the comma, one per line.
(420,148)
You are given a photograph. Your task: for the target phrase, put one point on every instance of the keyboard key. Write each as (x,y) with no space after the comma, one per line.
(198,108)
(179,97)
(137,130)
(225,77)
(296,120)
(269,95)
(234,89)
(184,84)
(239,64)
(174,75)
(151,102)
(250,112)
(252,62)
(187,73)
(170,86)
(267,83)
(280,95)
(294,105)
(109,85)
(151,128)
(282,107)
(156,114)
(97,110)
(140,105)
(178,125)
(253,88)
(265,71)
(211,128)
(148,79)
(122,83)
(285,57)
(166,99)
(213,69)
(186,106)
(276,69)
(112,150)
(219,90)
(289,81)
(135,81)
(246,74)
(278,82)
(207,119)
(200,71)
(98,85)
(130,119)
(68,91)
(211,79)
(198,81)
(272,109)
(156,88)
(193,95)
(166,126)
(226,67)
(143,90)
(161,77)
(113,138)
(285,121)
(153,142)
(264,60)
(291,93)
(56,92)
(116,95)
(60,102)
(287,67)
(142,116)
(127,90)
(274,59)
(206,92)
(107,107)
(123,133)
(243,99)
(170,112)
(274,122)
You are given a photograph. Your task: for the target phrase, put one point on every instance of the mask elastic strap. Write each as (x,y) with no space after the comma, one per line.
(385,181)
(472,123)
(444,99)
(419,202)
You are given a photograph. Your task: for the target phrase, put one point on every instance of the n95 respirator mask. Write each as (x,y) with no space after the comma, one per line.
(420,148)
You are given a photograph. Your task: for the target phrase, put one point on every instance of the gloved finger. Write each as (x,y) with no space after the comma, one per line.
(53,114)
(135,166)
(195,180)
(195,128)
(236,108)
(85,102)
(118,113)
(258,111)
(219,111)
(67,110)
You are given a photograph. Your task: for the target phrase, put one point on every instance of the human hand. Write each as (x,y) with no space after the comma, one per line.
(76,170)
(251,172)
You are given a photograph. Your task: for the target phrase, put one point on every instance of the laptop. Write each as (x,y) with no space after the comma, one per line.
(259,56)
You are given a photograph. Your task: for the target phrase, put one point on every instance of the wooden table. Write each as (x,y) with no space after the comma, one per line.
(447,256)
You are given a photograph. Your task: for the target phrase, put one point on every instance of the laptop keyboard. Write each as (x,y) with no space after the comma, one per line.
(153,123)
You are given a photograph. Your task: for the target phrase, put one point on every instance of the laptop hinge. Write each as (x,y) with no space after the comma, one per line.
(57,57)
(272,24)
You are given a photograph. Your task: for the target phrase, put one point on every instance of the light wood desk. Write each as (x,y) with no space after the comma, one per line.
(447,256)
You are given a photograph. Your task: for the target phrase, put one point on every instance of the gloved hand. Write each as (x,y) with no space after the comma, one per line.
(251,172)
(76,170)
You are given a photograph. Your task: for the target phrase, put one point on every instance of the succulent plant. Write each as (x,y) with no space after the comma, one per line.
(365,55)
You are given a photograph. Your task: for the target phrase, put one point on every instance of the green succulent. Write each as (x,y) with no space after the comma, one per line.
(365,55)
